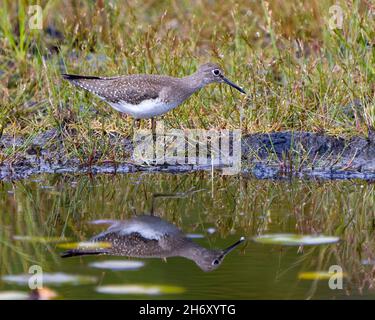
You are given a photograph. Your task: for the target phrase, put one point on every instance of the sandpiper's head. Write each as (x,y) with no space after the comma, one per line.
(209,260)
(211,73)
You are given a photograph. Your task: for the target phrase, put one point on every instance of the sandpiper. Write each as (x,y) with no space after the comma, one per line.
(145,96)
(152,237)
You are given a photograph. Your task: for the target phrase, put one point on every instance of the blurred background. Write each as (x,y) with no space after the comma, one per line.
(305,64)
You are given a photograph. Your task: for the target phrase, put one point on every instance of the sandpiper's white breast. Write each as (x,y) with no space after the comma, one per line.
(149,227)
(146,109)
(144,230)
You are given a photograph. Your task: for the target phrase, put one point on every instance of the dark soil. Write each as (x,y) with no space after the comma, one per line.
(275,155)
(309,154)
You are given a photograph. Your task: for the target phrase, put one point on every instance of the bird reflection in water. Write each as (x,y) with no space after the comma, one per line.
(149,236)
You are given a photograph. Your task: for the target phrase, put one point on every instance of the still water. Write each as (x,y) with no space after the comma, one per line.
(44,216)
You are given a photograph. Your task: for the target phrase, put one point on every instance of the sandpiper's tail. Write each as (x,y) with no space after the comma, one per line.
(73,77)
(93,84)
(82,252)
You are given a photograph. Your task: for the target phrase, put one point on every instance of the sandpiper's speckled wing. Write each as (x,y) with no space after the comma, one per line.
(135,245)
(142,236)
(132,89)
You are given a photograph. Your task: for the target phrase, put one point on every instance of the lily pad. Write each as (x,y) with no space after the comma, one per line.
(13,295)
(118,264)
(295,239)
(50,278)
(194,236)
(140,289)
(320,275)
(85,245)
(211,230)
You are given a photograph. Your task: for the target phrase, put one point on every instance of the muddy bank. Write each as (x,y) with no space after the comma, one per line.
(309,154)
(264,156)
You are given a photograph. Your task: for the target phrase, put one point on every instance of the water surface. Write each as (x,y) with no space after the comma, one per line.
(53,209)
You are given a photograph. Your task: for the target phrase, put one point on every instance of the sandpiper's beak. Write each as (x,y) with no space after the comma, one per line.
(233,85)
(233,246)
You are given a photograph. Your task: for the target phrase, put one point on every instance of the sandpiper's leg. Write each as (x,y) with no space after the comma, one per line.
(174,195)
(153,125)
(135,126)
(132,129)
(153,130)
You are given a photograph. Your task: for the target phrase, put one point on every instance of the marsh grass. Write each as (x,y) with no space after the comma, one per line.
(299,74)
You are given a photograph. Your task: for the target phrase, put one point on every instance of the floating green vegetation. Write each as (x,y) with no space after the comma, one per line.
(14,295)
(118,264)
(295,239)
(50,279)
(140,289)
(320,275)
(84,245)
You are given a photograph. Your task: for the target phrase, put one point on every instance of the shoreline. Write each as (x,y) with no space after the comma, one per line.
(264,156)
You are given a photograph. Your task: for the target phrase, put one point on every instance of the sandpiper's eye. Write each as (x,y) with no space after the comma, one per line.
(216,72)
(215,262)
